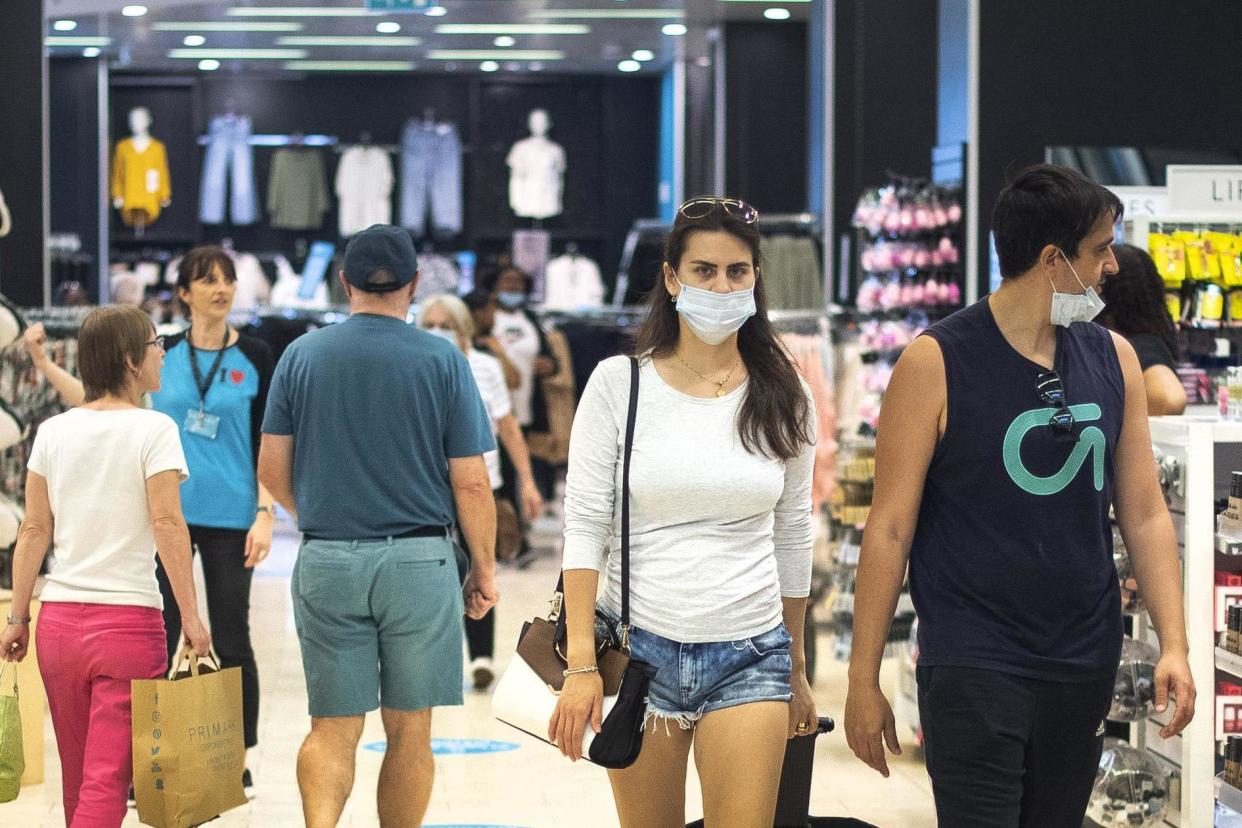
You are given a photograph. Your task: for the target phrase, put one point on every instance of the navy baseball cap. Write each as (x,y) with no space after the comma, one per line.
(381,259)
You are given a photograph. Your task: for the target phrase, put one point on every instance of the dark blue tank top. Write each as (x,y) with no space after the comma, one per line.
(1011,567)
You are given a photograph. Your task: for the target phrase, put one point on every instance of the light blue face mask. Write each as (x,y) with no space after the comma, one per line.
(511,299)
(443,333)
(714,317)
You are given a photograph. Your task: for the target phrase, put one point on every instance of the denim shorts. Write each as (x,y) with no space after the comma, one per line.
(694,679)
(379,623)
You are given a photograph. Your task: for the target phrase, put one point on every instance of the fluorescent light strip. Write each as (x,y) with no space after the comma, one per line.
(350,65)
(377,40)
(215,26)
(62,40)
(494,54)
(300,11)
(237,54)
(513,28)
(609,14)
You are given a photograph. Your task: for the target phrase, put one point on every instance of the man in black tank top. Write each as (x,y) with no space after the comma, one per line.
(1006,435)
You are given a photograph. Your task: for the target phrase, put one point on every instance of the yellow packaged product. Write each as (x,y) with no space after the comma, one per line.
(1235,306)
(1170,256)
(1201,263)
(1173,301)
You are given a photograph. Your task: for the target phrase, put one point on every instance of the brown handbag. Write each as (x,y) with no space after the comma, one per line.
(508,530)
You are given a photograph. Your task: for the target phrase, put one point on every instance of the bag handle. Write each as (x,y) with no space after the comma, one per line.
(185,654)
(558,599)
(4,665)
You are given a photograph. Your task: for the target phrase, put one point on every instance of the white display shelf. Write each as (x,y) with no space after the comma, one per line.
(1228,795)
(1228,662)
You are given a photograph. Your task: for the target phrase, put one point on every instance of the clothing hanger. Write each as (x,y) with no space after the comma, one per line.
(364,138)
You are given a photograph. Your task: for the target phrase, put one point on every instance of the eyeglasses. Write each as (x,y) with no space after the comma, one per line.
(1052,392)
(697,208)
(158,342)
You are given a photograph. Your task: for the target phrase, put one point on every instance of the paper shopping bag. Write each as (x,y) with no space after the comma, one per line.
(188,744)
(12,759)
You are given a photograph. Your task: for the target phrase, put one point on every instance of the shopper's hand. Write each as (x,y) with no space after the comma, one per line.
(34,339)
(196,635)
(1173,681)
(869,723)
(259,539)
(479,593)
(544,366)
(802,706)
(532,501)
(14,642)
(581,701)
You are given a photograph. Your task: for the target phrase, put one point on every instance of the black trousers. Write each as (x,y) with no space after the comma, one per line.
(228,609)
(1005,751)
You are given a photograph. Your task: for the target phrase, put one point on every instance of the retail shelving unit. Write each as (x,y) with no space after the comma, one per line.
(1196,455)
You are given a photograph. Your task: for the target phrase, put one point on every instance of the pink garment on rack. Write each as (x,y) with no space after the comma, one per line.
(809,353)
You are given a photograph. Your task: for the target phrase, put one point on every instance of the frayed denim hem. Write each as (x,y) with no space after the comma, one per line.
(686,720)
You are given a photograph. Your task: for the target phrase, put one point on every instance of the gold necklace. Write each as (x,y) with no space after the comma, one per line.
(720,386)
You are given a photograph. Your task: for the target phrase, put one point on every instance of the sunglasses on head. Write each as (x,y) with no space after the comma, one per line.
(697,208)
(1052,392)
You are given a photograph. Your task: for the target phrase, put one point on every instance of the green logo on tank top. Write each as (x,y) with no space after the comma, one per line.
(1091,442)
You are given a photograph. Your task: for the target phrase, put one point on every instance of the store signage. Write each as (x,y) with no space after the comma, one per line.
(1205,189)
(1143,202)
(409,6)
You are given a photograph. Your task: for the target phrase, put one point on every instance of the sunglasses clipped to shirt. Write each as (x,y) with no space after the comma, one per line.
(1052,392)
(697,208)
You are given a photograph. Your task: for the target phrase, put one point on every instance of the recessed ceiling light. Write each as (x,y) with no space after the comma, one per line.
(674,29)
(90,51)
(629,66)
(504,42)
(364,40)
(776,14)
(492,54)
(513,28)
(299,11)
(194,40)
(513,66)
(134,11)
(642,55)
(350,65)
(608,14)
(489,66)
(535,66)
(65,25)
(225,26)
(437,11)
(388,27)
(209,65)
(76,40)
(237,54)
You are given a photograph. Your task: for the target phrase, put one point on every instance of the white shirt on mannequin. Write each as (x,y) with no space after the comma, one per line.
(536,172)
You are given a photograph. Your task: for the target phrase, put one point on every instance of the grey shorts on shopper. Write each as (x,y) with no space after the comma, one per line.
(379,623)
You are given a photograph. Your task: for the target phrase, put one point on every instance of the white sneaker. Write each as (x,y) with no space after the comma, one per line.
(481,673)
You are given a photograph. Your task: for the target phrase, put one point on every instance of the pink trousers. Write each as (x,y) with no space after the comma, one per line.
(88,654)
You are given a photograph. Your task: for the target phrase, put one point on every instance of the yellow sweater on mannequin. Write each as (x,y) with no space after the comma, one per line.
(140,180)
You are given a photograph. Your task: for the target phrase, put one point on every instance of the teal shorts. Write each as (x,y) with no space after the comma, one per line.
(380,623)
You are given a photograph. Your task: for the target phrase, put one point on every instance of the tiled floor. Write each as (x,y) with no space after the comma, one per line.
(528,786)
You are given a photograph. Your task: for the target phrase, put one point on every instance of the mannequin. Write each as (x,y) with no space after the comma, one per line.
(6,220)
(537,169)
(140,182)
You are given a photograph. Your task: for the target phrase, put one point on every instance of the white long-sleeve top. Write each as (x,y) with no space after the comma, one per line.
(718,535)
(364,182)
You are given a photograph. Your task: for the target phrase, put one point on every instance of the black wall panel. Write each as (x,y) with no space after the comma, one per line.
(766,111)
(74,157)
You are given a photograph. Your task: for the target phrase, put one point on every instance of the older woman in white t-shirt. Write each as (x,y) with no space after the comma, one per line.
(102,489)
(448,317)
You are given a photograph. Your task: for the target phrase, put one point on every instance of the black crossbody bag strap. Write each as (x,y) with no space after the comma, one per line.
(625,505)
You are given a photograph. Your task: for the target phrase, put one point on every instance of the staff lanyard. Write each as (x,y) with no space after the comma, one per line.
(204,385)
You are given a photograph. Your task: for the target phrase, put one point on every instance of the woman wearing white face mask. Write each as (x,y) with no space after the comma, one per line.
(448,317)
(720,542)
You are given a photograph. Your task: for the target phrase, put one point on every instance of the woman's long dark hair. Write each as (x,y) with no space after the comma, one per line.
(775,415)
(1134,298)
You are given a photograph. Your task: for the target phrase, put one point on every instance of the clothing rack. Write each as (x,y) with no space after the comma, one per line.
(278,140)
(629,316)
(58,322)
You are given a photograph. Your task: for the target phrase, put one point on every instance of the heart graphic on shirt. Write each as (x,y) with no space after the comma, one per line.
(237,377)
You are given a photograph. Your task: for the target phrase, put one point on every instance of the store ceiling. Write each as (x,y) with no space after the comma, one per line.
(303,36)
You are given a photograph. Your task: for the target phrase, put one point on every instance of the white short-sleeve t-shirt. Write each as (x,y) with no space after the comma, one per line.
(96,464)
(490,377)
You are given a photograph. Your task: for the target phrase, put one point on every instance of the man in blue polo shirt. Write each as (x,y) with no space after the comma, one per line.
(374,437)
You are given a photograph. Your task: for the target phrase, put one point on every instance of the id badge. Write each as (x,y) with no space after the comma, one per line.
(202,424)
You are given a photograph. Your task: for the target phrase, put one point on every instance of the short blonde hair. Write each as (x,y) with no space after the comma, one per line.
(454,307)
(112,339)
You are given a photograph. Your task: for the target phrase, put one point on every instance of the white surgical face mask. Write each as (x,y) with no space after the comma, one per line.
(715,316)
(443,333)
(1068,308)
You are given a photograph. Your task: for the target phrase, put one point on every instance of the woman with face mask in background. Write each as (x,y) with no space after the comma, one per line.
(448,317)
(720,515)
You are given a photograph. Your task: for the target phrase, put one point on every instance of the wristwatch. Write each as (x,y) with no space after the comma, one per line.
(271,510)
(17,621)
